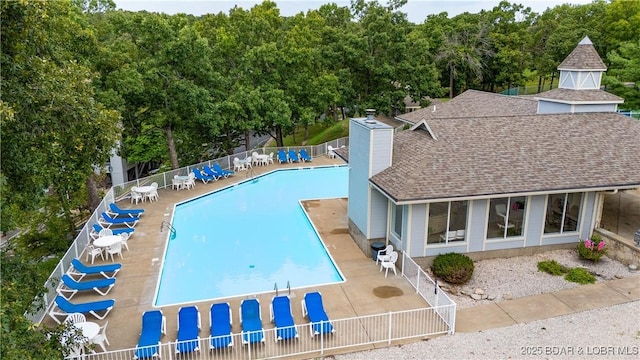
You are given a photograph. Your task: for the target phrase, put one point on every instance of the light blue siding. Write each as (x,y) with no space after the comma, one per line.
(594,108)
(378,213)
(358,176)
(418,229)
(547,107)
(589,208)
(381,149)
(432,251)
(535,220)
(478,224)
(504,244)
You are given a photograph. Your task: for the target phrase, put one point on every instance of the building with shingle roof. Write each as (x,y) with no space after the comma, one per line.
(487,172)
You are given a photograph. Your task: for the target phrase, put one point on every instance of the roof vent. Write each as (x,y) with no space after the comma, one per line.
(371,113)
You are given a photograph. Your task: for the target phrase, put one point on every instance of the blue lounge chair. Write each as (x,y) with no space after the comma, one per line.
(153,326)
(282,156)
(117,231)
(70,286)
(293,157)
(81,270)
(283,318)
(220,170)
(189,322)
(107,221)
(209,171)
(93,308)
(313,308)
(221,321)
(200,176)
(251,320)
(304,155)
(114,210)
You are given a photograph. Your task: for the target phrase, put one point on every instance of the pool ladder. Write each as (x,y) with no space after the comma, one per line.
(275,288)
(166,224)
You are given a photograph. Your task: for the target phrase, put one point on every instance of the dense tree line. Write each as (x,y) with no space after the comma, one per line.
(79,77)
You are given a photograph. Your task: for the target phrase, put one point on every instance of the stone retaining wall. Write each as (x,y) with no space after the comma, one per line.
(619,248)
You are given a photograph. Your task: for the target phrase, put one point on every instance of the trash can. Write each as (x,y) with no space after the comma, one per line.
(375,247)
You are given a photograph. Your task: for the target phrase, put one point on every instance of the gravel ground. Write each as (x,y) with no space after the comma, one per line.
(505,278)
(605,333)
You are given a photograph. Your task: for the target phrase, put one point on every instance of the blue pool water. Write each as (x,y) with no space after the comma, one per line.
(246,238)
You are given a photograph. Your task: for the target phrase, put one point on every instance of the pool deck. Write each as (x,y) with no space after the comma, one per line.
(136,282)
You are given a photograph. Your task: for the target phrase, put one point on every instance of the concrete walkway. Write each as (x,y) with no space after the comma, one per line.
(537,307)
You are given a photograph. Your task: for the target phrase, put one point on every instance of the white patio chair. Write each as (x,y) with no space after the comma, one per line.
(175,183)
(191,183)
(153,194)
(270,158)
(125,237)
(390,264)
(75,318)
(237,165)
(449,234)
(330,151)
(135,196)
(501,211)
(105,232)
(254,159)
(460,234)
(93,252)
(115,249)
(101,338)
(384,254)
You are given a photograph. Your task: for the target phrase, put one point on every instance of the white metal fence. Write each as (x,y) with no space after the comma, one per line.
(356,333)
(351,334)
(41,305)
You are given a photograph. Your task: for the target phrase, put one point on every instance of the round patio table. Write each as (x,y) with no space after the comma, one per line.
(106,241)
(89,329)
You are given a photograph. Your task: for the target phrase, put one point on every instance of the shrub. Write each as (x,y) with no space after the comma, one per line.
(453,268)
(580,276)
(592,249)
(552,267)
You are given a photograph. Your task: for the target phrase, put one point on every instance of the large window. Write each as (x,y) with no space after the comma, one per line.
(447,222)
(506,217)
(563,213)
(397,221)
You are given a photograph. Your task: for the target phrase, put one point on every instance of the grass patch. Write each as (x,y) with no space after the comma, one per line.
(552,267)
(319,133)
(580,276)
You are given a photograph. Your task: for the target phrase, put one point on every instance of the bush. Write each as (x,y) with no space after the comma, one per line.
(552,267)
(580,276)
(453,268)
(592,249)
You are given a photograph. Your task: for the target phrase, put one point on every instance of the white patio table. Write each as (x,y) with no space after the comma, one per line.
(144,190)
(106,241)
(89,329)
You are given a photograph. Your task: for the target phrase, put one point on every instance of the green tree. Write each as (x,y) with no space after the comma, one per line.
(53,130)
(623,76)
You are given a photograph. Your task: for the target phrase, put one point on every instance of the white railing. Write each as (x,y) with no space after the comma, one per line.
(121,191)
(351,333)
(430,291)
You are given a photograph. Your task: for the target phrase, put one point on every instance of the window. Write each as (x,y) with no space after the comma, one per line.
(506,217)
(563,213)
(397,221)
(447,222)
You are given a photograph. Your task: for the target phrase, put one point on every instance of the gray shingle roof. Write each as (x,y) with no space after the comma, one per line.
(571,95)
(475,103)
(513,154)
(583,57)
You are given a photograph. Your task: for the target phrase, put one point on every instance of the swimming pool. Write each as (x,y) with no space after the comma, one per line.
(246,238)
